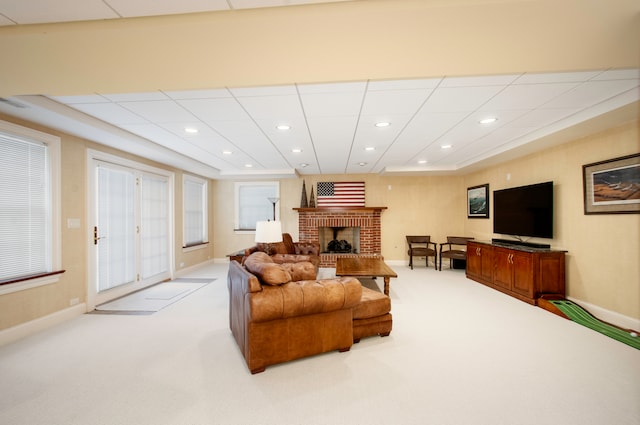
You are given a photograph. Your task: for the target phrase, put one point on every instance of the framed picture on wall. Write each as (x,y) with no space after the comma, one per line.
(612,186)
(478,201)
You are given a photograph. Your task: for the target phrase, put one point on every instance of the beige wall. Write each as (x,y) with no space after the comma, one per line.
(24,306)
(425,205)
(603,266)
(360,40)
(603,250)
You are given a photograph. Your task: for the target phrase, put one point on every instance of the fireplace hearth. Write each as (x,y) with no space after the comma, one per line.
(366,219)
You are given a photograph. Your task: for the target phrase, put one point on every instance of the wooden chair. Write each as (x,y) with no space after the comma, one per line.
(420,246)
(454,249)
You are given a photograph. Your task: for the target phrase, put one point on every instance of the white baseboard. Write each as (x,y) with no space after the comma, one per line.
(24,330)
(608,316)
(221,260)
(187,270)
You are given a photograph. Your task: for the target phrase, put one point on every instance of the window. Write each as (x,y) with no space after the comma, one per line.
(254,201)
(29,208)
(195,211)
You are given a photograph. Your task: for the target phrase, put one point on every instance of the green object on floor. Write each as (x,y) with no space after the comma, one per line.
(579,315)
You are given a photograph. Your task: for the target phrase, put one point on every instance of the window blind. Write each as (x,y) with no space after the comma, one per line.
(254,204)
(25,208)
(195,211)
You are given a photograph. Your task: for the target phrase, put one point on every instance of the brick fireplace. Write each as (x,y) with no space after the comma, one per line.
(367,219)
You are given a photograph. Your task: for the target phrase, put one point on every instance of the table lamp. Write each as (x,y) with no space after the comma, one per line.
(268,232)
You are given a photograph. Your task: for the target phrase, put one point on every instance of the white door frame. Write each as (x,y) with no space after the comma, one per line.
(93,158)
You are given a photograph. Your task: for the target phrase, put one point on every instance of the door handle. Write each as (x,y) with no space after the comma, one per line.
(95,235)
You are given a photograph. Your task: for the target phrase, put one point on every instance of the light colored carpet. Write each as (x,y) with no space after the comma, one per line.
(459,354)
(154,298)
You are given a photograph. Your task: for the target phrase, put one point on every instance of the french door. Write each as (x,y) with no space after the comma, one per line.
(131,237)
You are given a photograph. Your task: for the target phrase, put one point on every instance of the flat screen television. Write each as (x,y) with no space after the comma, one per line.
(524,211)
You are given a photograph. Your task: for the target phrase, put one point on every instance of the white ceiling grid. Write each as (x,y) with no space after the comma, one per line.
(332,125)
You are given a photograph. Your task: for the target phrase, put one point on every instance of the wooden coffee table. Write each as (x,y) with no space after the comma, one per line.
(365,267)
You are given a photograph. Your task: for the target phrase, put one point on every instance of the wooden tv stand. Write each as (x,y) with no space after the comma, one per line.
(523,272)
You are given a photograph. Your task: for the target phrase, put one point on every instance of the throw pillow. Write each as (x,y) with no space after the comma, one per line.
(269,273)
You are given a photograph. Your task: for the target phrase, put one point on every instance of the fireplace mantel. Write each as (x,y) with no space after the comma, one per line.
(310,220)
(340,209)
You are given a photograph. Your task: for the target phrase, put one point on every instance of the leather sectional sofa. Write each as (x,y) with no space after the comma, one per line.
(280,312)
(289,251)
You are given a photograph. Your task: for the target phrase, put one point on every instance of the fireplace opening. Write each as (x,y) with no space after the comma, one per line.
(341,240)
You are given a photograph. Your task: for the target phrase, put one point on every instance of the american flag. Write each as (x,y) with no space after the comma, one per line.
(340,194)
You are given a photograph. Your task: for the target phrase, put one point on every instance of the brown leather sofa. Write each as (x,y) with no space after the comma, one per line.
(275,318)
(288,251)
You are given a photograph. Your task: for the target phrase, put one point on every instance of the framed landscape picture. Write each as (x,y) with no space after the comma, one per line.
(478,201)
(612,186)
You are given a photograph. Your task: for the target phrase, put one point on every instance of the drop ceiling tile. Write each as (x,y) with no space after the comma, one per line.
(332,140)
(264,91)
(128,8)
(163,111)
(459,98)
(111,113)
(430,83)
(556,77)
(135,97)
(394,101)
(541,117)
(198,94)
(619,74)
(591,93)
(40,11)
(247,137)
(298,134)
(275,108)
(215,110)
(425,128)
(526,96)
(367,134)
(479,81)
(170,141)
(205,136)
(358,87)
(332,104)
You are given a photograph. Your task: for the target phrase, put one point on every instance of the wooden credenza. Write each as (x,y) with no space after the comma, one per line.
(522,272)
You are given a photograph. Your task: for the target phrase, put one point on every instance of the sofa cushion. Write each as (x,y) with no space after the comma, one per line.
(304,248)
(269,273)
(372,304)
(302,270)
(304,297)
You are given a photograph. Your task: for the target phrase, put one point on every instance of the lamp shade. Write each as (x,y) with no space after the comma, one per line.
(268,231)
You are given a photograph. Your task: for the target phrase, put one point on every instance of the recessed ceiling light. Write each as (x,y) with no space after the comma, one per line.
(422,161)
(362,164)
(446,146)
(383,124)
(191,130)
(369,148)
(248,165)
(296,150)
(227,152)
(304,165)
(488,120)
(283,127)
